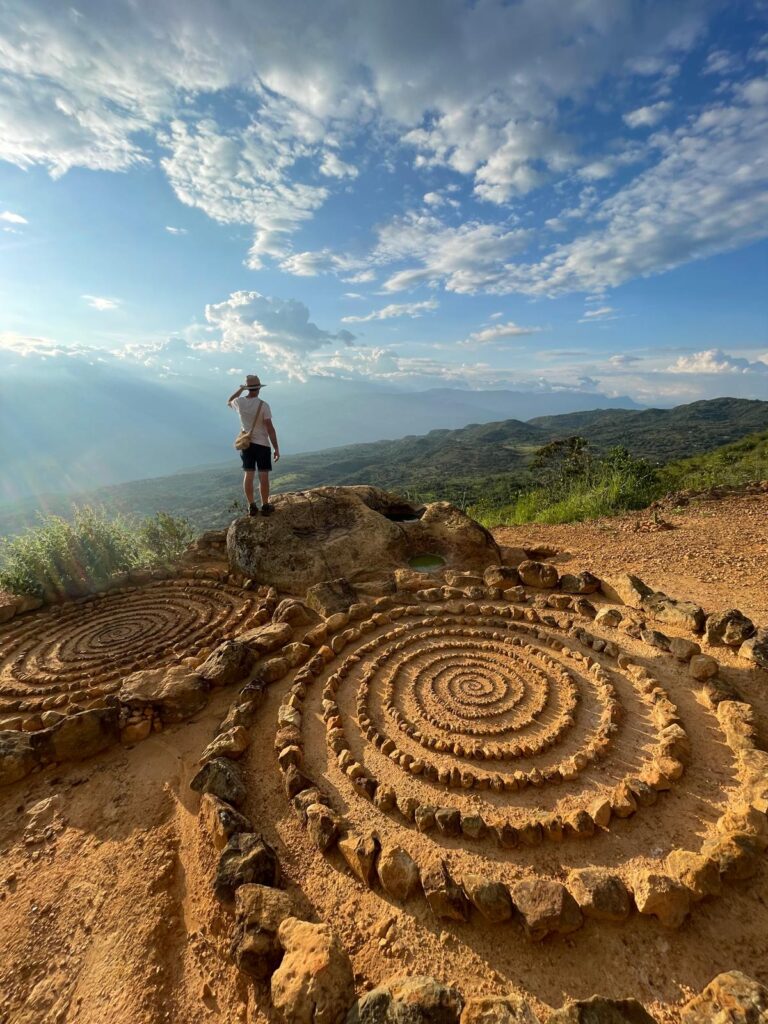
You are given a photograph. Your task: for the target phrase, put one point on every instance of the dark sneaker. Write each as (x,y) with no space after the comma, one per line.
(267,509)
(253,509)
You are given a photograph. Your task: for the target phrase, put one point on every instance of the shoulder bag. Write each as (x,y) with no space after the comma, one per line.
(243,439)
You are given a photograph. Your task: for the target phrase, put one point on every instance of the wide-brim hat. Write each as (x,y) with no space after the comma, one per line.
(252,381)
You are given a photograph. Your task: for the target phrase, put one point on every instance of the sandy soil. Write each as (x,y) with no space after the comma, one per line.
(105,905)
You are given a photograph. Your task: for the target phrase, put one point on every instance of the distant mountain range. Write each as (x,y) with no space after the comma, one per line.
(62,432)
(459,465)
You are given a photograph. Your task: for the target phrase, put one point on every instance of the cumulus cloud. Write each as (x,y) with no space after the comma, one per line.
(411,309)
(647,117)
(714,360)
(101,302)
(13,218)
(498,332)
(332,166)
(278,330)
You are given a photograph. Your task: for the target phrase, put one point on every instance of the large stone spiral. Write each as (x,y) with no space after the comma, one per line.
(80,651)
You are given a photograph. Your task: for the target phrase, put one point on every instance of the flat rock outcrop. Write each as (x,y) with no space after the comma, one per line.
(356,533)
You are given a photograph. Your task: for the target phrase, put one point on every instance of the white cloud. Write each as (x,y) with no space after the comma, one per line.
(101,303)
(238,177)
(13,218)
(332,166)
(433,199)
(707,193)
(464,259)
(714,360)
(175,231)
(278,330)
(647,117)
(411,309)
(721,62)
(601,313)
(499,332)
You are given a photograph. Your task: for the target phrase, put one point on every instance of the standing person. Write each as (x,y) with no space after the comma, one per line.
(256,419)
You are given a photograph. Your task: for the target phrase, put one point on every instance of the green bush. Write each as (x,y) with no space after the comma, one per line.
(574,484)
(70,556)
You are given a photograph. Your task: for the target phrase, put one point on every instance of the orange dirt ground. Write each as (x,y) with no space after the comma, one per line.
(106,911)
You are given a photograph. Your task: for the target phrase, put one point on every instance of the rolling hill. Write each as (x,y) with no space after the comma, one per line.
(464,465)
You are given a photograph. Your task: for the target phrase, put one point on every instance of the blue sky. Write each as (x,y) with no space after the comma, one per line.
(532,195)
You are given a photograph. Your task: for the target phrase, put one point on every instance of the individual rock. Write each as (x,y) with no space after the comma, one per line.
(662,896)
(542,575)
(473,826)
(449,532)
(511,1009)
(602,1011)
(512,556)
(231,662)
(259,911)
(445,898)
(135,732)
(408,1000)
(600,895)
(684,614)
(223,778)
(730,998)
(221,820)
(655,638)
(683,650)
(232,744)
(702,667)
(79,736)
(699,874)
(398,872)
(756,649)
(546,907)
(608,617)
(361,853)
(268,638)
(314,983)
(626,589)
(500,576)
(295,613)
(729,627)
(17,756)
(176,693)
(492,899)
(294,781)
(323,826)
(463,579)
(581,583)
(245,858)
(304,800)
(331,596)
(737,855)
(448,820)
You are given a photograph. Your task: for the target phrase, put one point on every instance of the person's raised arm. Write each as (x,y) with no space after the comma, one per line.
(270,428)
(237,394)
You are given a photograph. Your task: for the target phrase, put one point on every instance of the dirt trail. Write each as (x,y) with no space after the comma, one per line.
(716,552)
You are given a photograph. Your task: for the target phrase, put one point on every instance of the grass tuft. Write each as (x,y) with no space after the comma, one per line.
(72,556)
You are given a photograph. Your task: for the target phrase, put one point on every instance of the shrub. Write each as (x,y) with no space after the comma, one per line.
(72,556)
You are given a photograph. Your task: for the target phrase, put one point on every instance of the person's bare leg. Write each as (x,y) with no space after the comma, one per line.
(263,487)
(248,485)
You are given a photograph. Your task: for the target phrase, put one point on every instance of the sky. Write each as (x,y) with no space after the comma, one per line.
(533,194)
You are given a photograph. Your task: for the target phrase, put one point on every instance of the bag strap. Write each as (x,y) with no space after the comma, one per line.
(256,417)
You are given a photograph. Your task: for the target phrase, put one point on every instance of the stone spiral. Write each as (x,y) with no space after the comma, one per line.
(80,651)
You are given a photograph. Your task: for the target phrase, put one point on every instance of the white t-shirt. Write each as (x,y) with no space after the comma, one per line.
(246,408)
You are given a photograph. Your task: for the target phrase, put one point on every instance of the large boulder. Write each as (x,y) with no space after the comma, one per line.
(314,984)
(625,588)
(756,649)
(511,1009)
(684,614)
(730,627)
(355,533)
(79,736)
(416,1000)
(231,662)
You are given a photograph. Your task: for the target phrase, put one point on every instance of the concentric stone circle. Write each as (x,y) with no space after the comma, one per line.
(412,692)
(81,650)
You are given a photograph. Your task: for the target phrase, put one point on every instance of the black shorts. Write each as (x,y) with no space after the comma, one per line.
(257,456)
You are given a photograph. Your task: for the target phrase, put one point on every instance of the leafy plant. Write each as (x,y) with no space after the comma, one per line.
(72,556)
